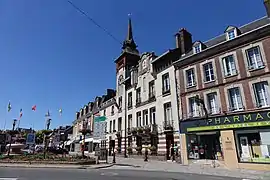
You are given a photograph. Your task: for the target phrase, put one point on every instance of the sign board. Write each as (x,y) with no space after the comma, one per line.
(228,145)
(100,127)
(103,154)
(30,139)
(244,120)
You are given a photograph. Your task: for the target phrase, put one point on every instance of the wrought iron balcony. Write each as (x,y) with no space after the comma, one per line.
(168,125)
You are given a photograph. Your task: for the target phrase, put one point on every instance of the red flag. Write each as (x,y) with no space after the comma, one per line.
(34,108)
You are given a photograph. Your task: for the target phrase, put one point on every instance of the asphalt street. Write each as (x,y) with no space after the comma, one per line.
(104,174)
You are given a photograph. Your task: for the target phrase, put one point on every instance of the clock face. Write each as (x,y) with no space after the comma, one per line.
(120,79)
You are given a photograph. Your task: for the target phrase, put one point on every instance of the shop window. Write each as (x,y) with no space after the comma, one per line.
(204,146)
(253,146)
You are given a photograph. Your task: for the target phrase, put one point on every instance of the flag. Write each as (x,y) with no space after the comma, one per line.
(34,108)
(60,111)
(9,106)
(21,113)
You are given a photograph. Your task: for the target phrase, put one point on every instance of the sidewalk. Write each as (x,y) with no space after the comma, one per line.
(154,165)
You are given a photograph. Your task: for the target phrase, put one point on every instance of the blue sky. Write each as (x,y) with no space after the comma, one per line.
(52,56)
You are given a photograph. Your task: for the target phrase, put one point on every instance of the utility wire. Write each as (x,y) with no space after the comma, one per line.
(94,22)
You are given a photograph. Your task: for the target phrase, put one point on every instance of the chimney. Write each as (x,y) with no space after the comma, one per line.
(267,7)
(183,41)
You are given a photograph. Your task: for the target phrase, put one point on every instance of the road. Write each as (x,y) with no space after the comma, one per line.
(100,174)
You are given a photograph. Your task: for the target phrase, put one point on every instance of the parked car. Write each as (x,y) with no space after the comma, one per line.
(58,150)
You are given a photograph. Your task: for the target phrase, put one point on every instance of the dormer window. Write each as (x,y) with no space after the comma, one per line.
(231,32)
(197,48)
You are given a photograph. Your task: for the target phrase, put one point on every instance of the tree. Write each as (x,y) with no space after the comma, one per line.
(39,137)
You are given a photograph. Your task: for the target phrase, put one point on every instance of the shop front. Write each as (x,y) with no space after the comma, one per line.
(239,140)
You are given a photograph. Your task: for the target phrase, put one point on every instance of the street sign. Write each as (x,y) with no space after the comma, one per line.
(100,127)
(30,139)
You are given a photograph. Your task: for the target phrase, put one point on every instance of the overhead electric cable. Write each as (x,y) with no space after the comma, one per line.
(94,22)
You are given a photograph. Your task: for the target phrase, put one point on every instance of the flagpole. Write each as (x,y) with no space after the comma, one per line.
(19,123)
(5,123)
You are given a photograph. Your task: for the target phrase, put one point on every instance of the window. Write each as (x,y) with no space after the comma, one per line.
(197,48)
(231,34)
(120,102)
(120,124)
(254,58)
(213,103)
(120,89)
(104,112)
(110,127)
(229,66)
(112,110)
(168,112)
(165,83)
(261,91)
(138,96)
(130,100)
(144,84)
(235,99)
(253,146)
(129,121)
(114,125)
(139,118)
(190,75)
(208,72)
(153,115)
(145,117)
(193,107)
(151,89)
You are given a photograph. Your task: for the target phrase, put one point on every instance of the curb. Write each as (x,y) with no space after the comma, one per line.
(57,166)
(127,165)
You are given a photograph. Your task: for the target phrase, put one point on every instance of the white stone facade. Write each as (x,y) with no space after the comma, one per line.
(150,103)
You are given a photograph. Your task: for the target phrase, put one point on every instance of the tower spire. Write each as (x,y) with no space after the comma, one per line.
(129,44)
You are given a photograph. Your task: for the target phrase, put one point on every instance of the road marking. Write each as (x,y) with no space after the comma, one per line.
(8,178)
(107,174)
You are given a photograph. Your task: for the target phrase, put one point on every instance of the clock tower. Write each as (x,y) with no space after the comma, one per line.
(128,58)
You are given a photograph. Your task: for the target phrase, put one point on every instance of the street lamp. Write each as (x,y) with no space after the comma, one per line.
(13,128)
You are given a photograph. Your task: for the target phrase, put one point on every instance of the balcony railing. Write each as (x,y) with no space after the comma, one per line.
(168,125)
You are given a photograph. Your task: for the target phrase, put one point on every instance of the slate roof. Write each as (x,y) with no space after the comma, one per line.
(222,38)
